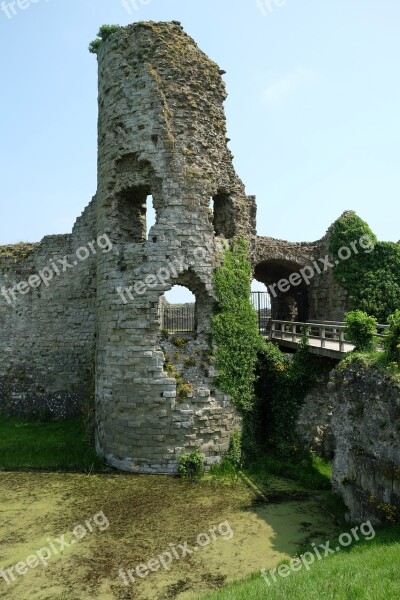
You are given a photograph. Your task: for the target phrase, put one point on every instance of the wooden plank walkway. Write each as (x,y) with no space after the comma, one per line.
(325,339)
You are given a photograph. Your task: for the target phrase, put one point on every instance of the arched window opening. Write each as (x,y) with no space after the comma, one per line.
(223,218)
(178,311)
(150,215)
(136,214)
(289,294)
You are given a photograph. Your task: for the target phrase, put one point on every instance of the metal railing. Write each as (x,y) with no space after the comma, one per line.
(178,318)
(325,333)
(262,303)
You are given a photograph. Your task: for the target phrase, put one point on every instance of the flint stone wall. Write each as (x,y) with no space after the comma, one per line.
(366,428)
(276,259)
(162,132)
(47,334)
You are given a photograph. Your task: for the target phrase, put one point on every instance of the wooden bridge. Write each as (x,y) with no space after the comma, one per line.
(325,339)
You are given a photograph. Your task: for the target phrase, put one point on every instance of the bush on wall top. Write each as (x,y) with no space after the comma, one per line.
(372,278)
(104,32)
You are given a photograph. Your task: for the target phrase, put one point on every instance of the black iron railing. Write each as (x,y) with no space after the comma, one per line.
(262,303)
(182,318)
(178,318)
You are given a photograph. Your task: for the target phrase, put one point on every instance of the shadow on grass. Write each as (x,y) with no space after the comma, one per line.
(46,446)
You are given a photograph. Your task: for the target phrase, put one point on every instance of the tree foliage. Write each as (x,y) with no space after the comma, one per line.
(284,381)
(371,276)
(392,340)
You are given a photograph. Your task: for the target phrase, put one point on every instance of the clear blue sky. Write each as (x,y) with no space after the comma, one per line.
(313,109)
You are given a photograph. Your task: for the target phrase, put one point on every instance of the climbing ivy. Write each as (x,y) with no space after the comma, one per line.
(371,276)
(283,382)
(235,327)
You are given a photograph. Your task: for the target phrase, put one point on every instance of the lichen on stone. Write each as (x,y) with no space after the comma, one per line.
(17,252)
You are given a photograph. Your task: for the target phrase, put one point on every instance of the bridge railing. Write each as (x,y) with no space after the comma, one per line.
(329,331)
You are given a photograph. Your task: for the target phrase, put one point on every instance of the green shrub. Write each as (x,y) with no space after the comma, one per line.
(234,453)
(191,464)
(283,383)
(94,45)
(104,33)
(371,275)
(392,339)
(361,329)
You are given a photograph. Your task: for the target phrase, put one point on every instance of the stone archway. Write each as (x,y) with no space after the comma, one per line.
(288,302)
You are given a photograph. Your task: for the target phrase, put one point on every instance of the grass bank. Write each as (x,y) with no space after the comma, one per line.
(369,570)
(46,446)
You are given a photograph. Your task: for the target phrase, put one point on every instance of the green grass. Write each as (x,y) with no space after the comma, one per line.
(369,570)
(312,472)
(49,446)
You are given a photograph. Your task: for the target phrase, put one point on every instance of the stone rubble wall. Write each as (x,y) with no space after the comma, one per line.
(47,335)
(314,422)
(162,132)
(327,300)
(366,428)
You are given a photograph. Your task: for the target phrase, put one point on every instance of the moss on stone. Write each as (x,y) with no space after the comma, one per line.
(17,252)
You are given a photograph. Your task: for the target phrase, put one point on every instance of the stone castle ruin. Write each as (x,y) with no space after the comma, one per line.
(67,333)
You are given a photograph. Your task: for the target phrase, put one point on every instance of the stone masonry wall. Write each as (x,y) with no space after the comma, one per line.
(95,324)
(277,259)
(314,422)
(162,133)
(47,334)
(366,428)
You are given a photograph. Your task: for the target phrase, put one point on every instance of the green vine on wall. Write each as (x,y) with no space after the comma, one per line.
(235,327)
(283,383)
(372,278)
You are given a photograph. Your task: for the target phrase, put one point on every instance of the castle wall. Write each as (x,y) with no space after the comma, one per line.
(161,132)
(365,425)
(47,333)
(276,259)
(86,317)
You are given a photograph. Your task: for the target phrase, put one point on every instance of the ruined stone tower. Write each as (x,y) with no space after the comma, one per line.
(80,313)
(161,133)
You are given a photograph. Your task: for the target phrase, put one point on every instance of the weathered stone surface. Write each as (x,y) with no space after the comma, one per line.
(366,428)
(47,335)
(323,299)
(161,132)
(314,423)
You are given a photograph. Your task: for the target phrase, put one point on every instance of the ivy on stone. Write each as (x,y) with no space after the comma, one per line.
(235,327)
(371,277)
